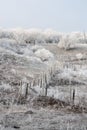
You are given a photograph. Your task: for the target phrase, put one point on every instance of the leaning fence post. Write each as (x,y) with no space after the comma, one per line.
(41,84)
(26,91)
(46,87)
(73,96)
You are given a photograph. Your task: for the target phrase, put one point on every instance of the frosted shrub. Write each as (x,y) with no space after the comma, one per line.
(66,43)
(44,54)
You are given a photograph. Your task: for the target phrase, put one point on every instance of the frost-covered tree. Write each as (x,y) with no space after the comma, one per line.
(66,42)
(51,36)
(6,34)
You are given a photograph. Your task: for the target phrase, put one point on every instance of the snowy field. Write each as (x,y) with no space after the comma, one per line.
(42,63)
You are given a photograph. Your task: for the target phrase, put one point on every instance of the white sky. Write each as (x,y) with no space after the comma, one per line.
(61,15)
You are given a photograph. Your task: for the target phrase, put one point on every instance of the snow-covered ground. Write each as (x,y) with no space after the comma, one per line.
(42,119)
(38,59)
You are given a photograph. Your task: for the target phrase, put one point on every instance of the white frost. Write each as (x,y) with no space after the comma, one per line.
(44,54)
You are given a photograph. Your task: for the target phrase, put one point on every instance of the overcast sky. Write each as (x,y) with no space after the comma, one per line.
(61,15)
